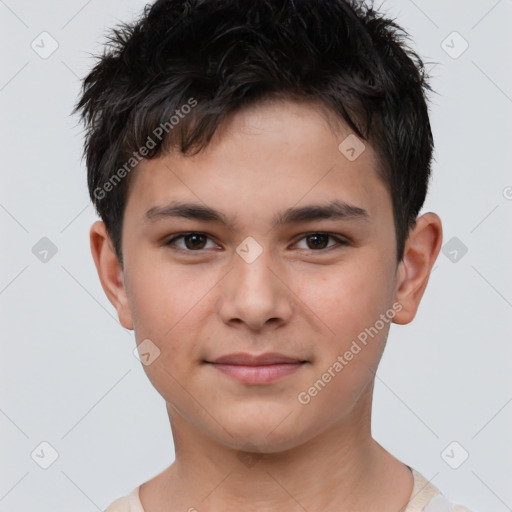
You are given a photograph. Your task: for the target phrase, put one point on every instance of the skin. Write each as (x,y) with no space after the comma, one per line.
(302,296)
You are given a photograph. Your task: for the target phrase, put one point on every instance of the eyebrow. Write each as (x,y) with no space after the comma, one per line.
(335,210)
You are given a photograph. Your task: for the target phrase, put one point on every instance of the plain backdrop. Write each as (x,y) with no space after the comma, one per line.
(69,378)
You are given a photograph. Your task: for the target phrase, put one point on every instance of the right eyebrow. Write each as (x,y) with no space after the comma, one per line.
(190,211)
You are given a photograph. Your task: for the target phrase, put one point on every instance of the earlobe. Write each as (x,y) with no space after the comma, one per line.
(421,250)
(110,272)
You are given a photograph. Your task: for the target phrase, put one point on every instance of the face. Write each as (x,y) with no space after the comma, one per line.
(271,240)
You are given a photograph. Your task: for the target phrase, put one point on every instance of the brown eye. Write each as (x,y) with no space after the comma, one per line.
(189,242)
(320,241)
(195,241)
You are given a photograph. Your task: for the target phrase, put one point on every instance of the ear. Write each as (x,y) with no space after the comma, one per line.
(421,250)
(110,272)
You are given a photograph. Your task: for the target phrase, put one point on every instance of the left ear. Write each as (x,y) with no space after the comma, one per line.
(420,253)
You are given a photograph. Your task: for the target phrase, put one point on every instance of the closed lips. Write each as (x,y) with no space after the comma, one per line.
(244,359)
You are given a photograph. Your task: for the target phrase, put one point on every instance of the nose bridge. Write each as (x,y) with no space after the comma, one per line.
(255,275)
(252,292)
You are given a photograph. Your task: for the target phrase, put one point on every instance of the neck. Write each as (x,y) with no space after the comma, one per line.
(341,469)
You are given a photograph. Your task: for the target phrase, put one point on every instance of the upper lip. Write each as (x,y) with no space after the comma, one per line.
(243,358)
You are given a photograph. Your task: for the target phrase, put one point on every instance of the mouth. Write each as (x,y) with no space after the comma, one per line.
(256,369)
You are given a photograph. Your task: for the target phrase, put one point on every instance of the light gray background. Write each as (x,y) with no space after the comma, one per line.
(68,374)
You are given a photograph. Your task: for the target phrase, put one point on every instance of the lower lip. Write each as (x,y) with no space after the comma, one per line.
(257,374)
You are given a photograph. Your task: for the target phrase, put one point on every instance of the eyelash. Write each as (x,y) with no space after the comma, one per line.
(340,241)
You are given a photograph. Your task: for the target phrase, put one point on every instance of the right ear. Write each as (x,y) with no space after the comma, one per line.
(110,272)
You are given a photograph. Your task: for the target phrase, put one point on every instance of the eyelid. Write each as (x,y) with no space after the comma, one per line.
(170,241)
(341,241)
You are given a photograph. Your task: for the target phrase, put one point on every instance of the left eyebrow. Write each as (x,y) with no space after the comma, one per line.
(336,210)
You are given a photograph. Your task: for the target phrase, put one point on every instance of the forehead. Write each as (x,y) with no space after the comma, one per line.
(273,154)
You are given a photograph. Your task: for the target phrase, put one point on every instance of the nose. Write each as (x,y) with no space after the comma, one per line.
(255,294)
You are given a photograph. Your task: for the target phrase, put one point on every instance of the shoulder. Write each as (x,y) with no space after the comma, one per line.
(441,504)
(460,508)
(120,505)
(428,498)
(130,503)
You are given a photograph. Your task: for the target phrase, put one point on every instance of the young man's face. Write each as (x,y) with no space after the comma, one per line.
(260,284)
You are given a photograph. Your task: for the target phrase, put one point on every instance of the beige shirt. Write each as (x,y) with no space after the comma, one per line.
(425,497)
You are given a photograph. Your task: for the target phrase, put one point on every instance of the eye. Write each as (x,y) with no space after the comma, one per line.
(191,242)
(196,241)
(319,241)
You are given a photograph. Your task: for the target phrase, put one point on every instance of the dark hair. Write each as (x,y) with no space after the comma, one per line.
(221,55)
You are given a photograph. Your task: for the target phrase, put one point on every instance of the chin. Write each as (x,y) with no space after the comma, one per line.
(260,444)
(264,431)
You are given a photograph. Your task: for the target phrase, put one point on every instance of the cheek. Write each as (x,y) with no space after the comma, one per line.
(350,304)
(162,296)
(165,305)
(350,300)
(346,297)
